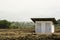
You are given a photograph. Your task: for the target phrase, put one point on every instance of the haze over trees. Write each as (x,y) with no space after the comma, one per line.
(21,25)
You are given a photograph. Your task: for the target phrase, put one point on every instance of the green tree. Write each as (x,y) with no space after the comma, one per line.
(58,21)
(4,24)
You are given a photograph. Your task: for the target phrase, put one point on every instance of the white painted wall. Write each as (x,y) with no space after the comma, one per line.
(42,28)
(52,28)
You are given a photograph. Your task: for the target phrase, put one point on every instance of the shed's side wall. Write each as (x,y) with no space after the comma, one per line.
(52,28)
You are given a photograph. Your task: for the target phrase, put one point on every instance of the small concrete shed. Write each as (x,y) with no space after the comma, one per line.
(44,25)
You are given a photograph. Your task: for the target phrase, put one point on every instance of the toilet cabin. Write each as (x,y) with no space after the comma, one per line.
(44,25)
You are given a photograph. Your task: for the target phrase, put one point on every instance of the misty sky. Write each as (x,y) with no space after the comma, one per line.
(23,10)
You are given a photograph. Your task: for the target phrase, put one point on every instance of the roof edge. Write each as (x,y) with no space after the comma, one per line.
(44,19)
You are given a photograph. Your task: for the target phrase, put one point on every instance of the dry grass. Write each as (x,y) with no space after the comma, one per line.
(27,34)
(17,34)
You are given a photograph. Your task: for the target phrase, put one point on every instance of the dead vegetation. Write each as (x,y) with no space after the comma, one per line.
(27,34)
(17,34)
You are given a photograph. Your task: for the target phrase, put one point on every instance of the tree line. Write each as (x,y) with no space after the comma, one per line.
(20,25)
(13,25)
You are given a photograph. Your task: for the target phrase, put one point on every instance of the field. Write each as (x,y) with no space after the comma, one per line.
(27,34)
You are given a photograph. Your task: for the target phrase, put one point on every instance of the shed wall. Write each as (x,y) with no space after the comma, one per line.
(41,28)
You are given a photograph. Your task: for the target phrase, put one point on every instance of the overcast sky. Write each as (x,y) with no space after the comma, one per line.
(23,10)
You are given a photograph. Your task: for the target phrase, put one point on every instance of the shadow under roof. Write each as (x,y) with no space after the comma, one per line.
(44,19)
